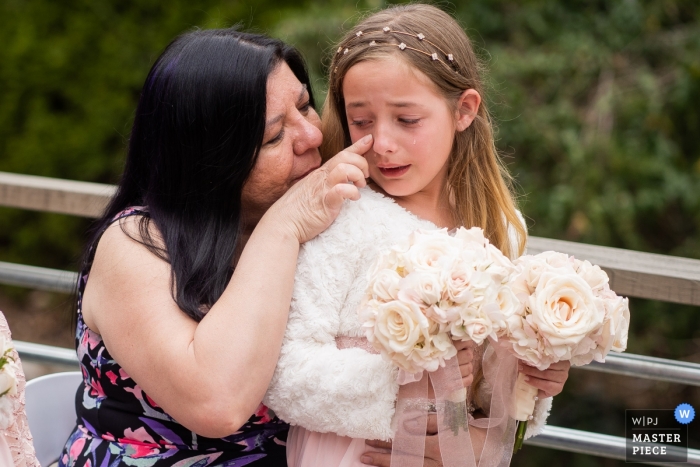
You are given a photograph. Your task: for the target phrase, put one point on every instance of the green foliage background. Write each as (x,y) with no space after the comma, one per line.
(598,106)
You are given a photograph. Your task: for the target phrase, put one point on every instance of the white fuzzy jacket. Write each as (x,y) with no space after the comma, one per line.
(349,392)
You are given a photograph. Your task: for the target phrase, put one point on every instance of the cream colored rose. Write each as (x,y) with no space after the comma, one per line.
(473,235)
(473,325)
(508,305)
(433,251)
(8,379)
(593,275)
(385,285)
(8,376)
(431,353)
(422,287)
(399,326)
(563,310)
(443,313)
(457,279)
(618,319)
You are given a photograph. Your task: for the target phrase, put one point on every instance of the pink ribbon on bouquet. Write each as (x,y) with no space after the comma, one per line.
(454,422)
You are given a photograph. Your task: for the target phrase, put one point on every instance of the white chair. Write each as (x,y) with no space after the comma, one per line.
(51,412)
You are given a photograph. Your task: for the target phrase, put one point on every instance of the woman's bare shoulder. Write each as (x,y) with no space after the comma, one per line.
(122,267)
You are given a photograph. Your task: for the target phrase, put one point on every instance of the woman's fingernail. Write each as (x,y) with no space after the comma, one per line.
(366,138)
(365,459)
(527,378)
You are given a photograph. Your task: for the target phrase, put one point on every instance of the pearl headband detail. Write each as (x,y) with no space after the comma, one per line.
(448,60)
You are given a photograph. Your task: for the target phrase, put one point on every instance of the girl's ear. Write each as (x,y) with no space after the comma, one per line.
(467,108)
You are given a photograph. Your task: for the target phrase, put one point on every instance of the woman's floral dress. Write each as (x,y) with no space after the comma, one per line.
(119,425)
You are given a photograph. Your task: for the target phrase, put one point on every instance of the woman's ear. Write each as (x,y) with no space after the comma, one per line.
(467,108)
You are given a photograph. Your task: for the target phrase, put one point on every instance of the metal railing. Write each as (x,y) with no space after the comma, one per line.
(631,273)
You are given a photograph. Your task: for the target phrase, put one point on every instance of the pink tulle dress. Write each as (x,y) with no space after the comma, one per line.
(311,449)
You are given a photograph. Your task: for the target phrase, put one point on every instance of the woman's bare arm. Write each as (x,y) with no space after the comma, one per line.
(211,376)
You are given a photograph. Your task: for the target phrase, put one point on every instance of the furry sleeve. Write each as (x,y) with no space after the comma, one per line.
(315,385)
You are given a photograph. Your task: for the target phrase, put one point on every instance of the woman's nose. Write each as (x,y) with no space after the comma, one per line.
(309,136)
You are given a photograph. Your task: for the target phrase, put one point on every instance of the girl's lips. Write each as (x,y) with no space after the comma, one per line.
(394,172)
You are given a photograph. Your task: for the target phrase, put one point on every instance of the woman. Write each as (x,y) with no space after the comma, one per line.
(192,265)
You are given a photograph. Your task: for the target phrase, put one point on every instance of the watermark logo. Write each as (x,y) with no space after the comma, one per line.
(684,413)
(658,435)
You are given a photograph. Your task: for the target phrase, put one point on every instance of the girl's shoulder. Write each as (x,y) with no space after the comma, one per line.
(377,212)
(375,216)
(372,221)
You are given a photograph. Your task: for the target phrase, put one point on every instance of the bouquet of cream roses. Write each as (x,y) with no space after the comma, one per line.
(569,313)
(435,287)
(8,383)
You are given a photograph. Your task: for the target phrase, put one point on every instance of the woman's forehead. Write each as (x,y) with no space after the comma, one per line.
(283,90)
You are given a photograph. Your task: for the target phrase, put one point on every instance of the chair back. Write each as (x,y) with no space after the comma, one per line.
(50,406)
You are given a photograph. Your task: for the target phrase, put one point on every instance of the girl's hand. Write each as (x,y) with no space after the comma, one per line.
(551,381)
(465,358)
(313,203)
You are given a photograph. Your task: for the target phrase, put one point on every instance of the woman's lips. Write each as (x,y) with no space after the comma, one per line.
(394,172)
(305,173)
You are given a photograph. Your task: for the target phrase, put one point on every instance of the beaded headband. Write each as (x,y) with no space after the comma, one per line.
(450,61)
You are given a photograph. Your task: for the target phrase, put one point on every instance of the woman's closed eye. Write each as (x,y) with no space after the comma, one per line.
(275,139)
(305,107)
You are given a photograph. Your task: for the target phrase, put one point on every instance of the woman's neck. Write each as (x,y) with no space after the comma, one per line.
(433,206)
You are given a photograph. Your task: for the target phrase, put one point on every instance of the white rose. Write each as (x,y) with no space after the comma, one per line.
(432,252)
(620,322)
(593,275)
(457,279)
(8,380)
(431,353)
(387,260)
(473,235)
(563,310)
(472,325)
(444,312)
(501,267)
(557,260)
(385,285)
(367,313)
(399,326)
(422,287)
(508,305)
(526,344)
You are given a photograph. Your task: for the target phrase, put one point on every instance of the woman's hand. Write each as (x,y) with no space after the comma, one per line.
(313,203)
(551,381)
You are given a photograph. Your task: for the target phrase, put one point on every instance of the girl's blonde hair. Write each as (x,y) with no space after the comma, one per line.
(430,40)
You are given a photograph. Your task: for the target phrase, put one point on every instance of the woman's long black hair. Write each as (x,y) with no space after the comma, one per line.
(197,131)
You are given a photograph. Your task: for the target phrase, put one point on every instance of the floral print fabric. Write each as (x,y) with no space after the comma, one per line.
(119,425)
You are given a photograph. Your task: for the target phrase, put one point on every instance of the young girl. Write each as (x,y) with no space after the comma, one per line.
(409,77)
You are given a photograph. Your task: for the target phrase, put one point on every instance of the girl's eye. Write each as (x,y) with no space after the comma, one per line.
(409,121)
(359,123)
(277,138)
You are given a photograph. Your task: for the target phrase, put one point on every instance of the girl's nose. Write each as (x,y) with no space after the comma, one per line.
(384,142)
(309,136)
